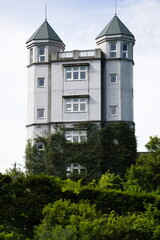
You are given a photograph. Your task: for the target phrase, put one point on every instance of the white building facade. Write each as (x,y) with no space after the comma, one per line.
(68,87)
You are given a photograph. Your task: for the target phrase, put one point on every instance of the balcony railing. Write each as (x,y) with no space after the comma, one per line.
(76,53)
(90,53)
(65,54)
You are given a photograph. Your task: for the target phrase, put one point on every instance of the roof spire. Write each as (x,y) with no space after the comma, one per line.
(115,7)
(45,12)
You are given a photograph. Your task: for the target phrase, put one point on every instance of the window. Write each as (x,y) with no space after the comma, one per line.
(40,82)
(75,105)
(41,54)
(113,78)
(113,50)
(31,55)
(113,110)
(74,168)
(125,50)
(40,113)
(76,136)
(40,146)
(76,73)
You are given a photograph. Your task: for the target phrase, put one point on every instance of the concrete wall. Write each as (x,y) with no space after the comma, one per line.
(91,88)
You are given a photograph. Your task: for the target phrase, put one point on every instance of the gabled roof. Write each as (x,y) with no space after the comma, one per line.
(114,27)
(45,32)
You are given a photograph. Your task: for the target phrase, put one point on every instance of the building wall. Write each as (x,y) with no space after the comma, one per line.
(100,93)
(91,88)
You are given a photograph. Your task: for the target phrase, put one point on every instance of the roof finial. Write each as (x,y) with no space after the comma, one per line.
(115,7)
(45,12)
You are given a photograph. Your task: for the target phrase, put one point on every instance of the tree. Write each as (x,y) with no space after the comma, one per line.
(22,198)
(110,181)
(9,234)
(119,144)
(154,144)
(50,159)
(64,220)
(145,173)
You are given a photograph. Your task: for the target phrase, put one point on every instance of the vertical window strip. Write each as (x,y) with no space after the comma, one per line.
(125,50)
(41,54)
(113,50)
(31,55)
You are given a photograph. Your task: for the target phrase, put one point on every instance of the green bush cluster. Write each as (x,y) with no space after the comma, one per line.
(64,220)
(40,206)
(23,197)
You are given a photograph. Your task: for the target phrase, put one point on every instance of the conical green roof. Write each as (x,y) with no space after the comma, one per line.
(114,27)
(45,32)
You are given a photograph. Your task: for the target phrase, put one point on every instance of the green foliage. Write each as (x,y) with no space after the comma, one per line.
(98,210)
(119,144)
(69,185)
(145,174)
(51,159)
(7,234)
(154,144)
(23,197)
(119,201)
(65,221)
(66,217)
(112,148)
(110,181)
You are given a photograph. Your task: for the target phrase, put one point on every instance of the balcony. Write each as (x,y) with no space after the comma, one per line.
(76,54)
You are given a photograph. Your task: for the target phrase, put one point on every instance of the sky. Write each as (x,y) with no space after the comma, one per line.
(77,23)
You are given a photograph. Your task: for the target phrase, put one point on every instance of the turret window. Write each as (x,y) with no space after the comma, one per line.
(31,55)
(113,50)
(40,113)
(113,110)
(41,54)
(40,83)
(113,78)
(125,50)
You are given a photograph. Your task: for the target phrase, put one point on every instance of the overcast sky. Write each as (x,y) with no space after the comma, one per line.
(77,23)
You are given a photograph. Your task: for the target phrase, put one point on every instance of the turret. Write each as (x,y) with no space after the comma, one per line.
(116,43)
(41,45)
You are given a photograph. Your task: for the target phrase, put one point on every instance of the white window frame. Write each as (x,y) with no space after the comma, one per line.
(113,78)
(125,52)
(75,105)
(113,110)
(76,71)
(40,113)
(41,56)
(74,167)
(113,50)
(39,85)
(31,55)
(76,136)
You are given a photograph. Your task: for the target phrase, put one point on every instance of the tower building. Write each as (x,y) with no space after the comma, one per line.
(68,87)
